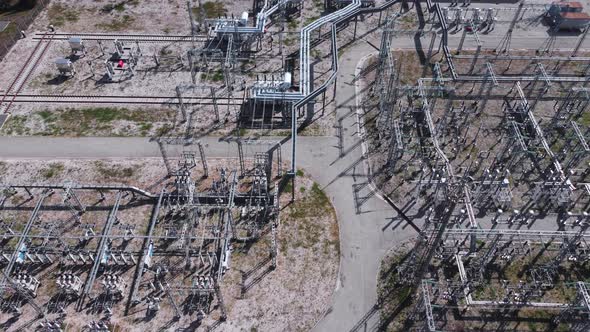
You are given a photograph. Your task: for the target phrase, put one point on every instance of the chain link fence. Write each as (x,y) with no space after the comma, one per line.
(18,21)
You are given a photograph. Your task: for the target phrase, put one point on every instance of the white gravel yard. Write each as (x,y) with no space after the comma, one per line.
(149,79)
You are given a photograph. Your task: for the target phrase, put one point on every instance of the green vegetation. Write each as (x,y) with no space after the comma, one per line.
(119,6)
(314,129)
(47,116)
(585,119)
(163,130)
(96,120)
(407,21)
(411,68)
(305,211)
(111,172)
(292,25)
(117,24)
(210,9)
(16,125)
(288,187)
(59,15)
(242,132)
(53,170)
(536,315)
(17,199)
(318,4)
(216,76)
(310,20)
(145,128)
(10,29)
(393,296)
(299,172)
(166,51)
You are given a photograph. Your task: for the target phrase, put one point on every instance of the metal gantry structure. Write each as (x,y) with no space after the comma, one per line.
(231,39)
(409,127)
(479,268)
(485,141)
(178,256)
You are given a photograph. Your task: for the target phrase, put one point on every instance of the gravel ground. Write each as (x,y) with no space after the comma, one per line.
(290,298)
(150,80)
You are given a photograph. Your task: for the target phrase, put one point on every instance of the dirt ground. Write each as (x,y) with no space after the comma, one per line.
(291,297)
(115,15)
(295,295)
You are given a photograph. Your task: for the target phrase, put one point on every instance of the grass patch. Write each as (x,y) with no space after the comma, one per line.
(17,199)
(315,129)
(145,128)
(216,76)
(101,114)
(59,15)
(304,213)
(90,121)
(119,6)
(163,130)
(407,21)
(10,29)
(209,9)
(292,25)
(117,24)
(16,125)
(242,132)
(310,20)
(53,170)
(585,119)
(47,116)
(113,172)
(288,187)
(316,203)
(392,295)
